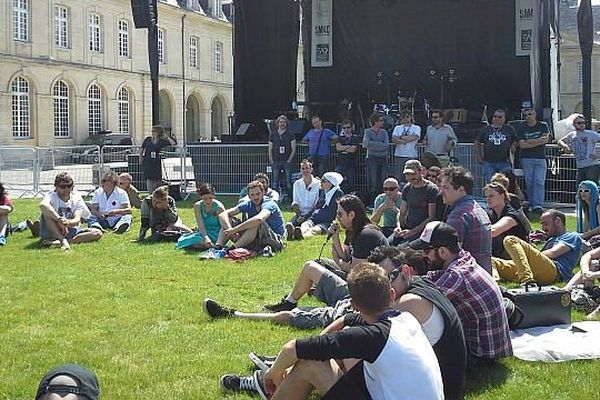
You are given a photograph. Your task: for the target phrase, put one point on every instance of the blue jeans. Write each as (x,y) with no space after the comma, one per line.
(376,174)
(490,168)
(276,168)
(111,222)
(534,171)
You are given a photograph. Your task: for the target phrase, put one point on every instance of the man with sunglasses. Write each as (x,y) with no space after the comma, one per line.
(347,147)
(472,291)
(494,145)
(582,144)
(533,136)
(62,213)
(110,206)
(386,207)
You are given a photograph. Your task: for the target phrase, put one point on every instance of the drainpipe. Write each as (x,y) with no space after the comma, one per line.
(184,136)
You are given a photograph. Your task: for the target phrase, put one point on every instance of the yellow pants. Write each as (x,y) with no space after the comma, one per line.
(527,263)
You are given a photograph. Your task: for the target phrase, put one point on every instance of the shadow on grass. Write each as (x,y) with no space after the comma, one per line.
(34,245)
(485,376)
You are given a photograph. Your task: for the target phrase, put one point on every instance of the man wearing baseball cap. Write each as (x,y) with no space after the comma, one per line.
(69,382)
(471,290)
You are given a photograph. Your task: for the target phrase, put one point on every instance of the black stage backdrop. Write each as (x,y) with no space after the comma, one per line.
(266,38)
(474,37)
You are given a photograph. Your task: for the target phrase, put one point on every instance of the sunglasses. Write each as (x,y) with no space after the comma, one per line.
(528,114)
(584,190)
(107,180)
(64,186)
(394,274)
(346,127)
(390,189)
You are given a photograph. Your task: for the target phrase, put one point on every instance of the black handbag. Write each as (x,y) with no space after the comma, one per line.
(542,306)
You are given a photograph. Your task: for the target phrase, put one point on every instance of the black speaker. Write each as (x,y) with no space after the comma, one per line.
(140,9)
(244,129)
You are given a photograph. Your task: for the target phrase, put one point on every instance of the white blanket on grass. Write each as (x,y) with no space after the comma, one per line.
(557,343)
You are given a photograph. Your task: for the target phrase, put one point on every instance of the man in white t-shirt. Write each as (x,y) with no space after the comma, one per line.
(62,212)
(110,207)
(405,136)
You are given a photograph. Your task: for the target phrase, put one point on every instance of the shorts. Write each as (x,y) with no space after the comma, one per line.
(351,385)
(267,237)
(45,233)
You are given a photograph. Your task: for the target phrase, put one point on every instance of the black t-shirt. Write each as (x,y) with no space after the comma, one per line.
(282,145)
(365,242)
(345,158)
(151,164)
(440,208)
(518,230)
(496,142)
(525,132)
(418,201)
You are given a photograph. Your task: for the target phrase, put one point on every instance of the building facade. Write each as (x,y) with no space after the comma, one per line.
(70,69)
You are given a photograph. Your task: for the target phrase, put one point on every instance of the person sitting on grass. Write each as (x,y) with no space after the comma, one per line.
(269,191)
(305,194)
(6,208)
(419,296)
(324,211)
(125,180)
(509,181)
(69,382)
(207,212)
(504,218)
(63,209)
(110,206)
(555,262)
(159,214)
(588,211)
(387,206)
(263,229)
(384,354)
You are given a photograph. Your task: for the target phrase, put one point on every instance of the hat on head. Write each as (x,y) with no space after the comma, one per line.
(56,381)
(435,234)
(333,177)
(412,167)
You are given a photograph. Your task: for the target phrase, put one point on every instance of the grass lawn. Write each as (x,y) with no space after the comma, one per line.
(133,313)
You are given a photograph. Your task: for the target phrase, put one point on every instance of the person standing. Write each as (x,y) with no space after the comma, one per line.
(346,160)
(319,141)
(405,136)
(494,145)
(282,149)
(150,160)
(582,143)
(440,138)
(377,143)
(533,136)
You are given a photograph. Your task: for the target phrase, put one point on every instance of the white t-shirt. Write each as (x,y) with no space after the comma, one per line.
(117,199)
(409,149)
(306,198)
(67,209)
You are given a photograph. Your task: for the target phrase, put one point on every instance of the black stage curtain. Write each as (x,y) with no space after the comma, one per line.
(266,34)
(474,37)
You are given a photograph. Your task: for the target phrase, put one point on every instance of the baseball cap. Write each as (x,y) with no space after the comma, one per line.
(56,381)
(435,234)
(412,167)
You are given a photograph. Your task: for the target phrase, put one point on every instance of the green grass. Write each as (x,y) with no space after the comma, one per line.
(133,313)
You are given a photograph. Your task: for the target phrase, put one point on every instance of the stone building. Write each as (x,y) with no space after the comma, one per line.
(69,69)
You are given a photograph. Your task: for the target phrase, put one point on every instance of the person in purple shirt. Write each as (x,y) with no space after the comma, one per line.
(466,216)
(319,141)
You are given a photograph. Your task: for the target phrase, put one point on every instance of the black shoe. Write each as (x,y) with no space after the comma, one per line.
(262,362)
(215,310)
(249,384)
(283,305)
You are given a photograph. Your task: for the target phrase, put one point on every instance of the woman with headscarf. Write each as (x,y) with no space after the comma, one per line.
(588,209)
(323,213)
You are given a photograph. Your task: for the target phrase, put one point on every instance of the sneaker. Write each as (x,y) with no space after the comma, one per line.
(298,233)
(267,251)
(262,362)
(215,310)
(121,228)
(34,227)
(283,305)
(50,243)
(213,254)
(97,226)
(259,384)
(289,232)
(2,241)
(237,383)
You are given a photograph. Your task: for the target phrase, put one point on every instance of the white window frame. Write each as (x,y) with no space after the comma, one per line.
(219,56)
(60,96)
(21,20)
(21,109)
(123,27)
(194,51)
(162,34)
(123,108)
(61,26)
(95,32)
(94,109)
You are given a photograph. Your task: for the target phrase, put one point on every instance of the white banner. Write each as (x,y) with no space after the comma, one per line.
(524,13)
(321,37)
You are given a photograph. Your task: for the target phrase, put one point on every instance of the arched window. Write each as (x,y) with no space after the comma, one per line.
(60,93)
(123,100)
(94,109)
(20,108)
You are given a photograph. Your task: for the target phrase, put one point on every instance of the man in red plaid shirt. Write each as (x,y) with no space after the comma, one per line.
(471,290)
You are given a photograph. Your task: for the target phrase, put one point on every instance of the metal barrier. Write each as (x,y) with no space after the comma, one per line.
(31,170)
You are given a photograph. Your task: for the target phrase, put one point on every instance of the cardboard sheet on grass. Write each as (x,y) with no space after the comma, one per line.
(579,341)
